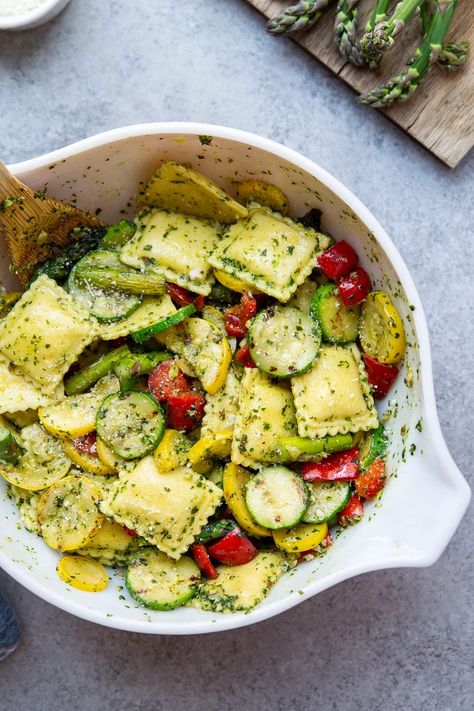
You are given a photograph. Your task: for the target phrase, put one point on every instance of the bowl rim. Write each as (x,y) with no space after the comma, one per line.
(431,422)
(31,17)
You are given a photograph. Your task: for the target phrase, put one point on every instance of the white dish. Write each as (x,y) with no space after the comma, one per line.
(420,508)
(33,18)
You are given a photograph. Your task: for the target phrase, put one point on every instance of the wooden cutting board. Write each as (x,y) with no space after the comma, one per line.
(440,115)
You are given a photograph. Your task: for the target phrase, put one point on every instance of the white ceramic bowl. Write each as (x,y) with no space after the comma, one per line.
(421,506)
(28,20)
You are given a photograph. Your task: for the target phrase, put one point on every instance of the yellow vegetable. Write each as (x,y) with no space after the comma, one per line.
(83,573)
(299,538)
(179,189)
(232,283)
(381,330)
(234,481)
(85,461)
(7,301)
(263,193)
(68,513)
(214,446)
(111,461)
(172,451)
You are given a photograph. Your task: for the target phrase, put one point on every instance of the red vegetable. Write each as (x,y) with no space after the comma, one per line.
(352,513)
(236,317)
(354,287)
(343,466)
(185,410)
(87,444)
(234,549)
(244,357)
(338,260)
(130,532)
(381,377)
(167,379)
(370,482)
(182,297)
(204,563)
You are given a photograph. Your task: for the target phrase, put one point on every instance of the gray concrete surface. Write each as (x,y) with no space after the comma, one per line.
(395,640)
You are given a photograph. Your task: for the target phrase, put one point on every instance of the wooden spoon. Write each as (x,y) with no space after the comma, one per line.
(36,227)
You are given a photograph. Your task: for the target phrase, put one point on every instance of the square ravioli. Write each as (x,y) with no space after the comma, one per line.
(18,395)
(168,510)
(269,251)
(266,415)
(45,332)
(334,396)
(174,245)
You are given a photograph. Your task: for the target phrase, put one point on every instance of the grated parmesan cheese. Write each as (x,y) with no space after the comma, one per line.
(10,8)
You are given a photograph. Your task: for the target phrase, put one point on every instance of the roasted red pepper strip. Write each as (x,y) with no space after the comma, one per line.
(381,376)
(130,532)
(338,260)
(204,563)
(236,317)
(354,287)
(243,356)
(370,482)
(342,466)
(182,297)
(185,410)
(167,379)
(234,549)
(352,513)
(87,444)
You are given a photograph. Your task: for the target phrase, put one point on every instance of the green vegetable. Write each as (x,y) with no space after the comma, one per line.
(215,529)
(379,14)
(311,219)
(123,280)
(339,323)
(295,448)
(117,235)
(58,267)
(10,451)
(156,581)
(402,86)
(326,499)
(346,32)
(8,300)
(300,16)
(90,374)
(372,446)
(223,295)
(133,365)
(144,334)
(276,497)
(374,43)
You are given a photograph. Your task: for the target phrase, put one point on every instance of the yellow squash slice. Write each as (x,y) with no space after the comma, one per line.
(299,538)
(179,189)
(172,451)
(111,461)
(209,448)
(234,481)
(86,461)
(83,573)
(204,346)
(233,283)
(68,513)
(263,193)
(381,330)
(75,416)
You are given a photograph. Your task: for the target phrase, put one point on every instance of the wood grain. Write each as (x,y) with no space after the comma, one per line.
(440,115)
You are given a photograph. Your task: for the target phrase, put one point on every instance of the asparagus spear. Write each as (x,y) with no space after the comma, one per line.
(452,55)
(117,235)
(402,86)
(379,14)
(346,32)
(129,368)
(374,43)
(10,451)
(301,16)
(120,280)
(88,376)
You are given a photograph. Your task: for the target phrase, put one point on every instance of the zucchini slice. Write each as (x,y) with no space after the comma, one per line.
(372,446)
(144,334)
(326,499)
(68,513)
(339,324)
(130,423)
(83,573)
(381,331)
(156,581)
(276,497)
(105,305)
(234,481)
(283,341)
